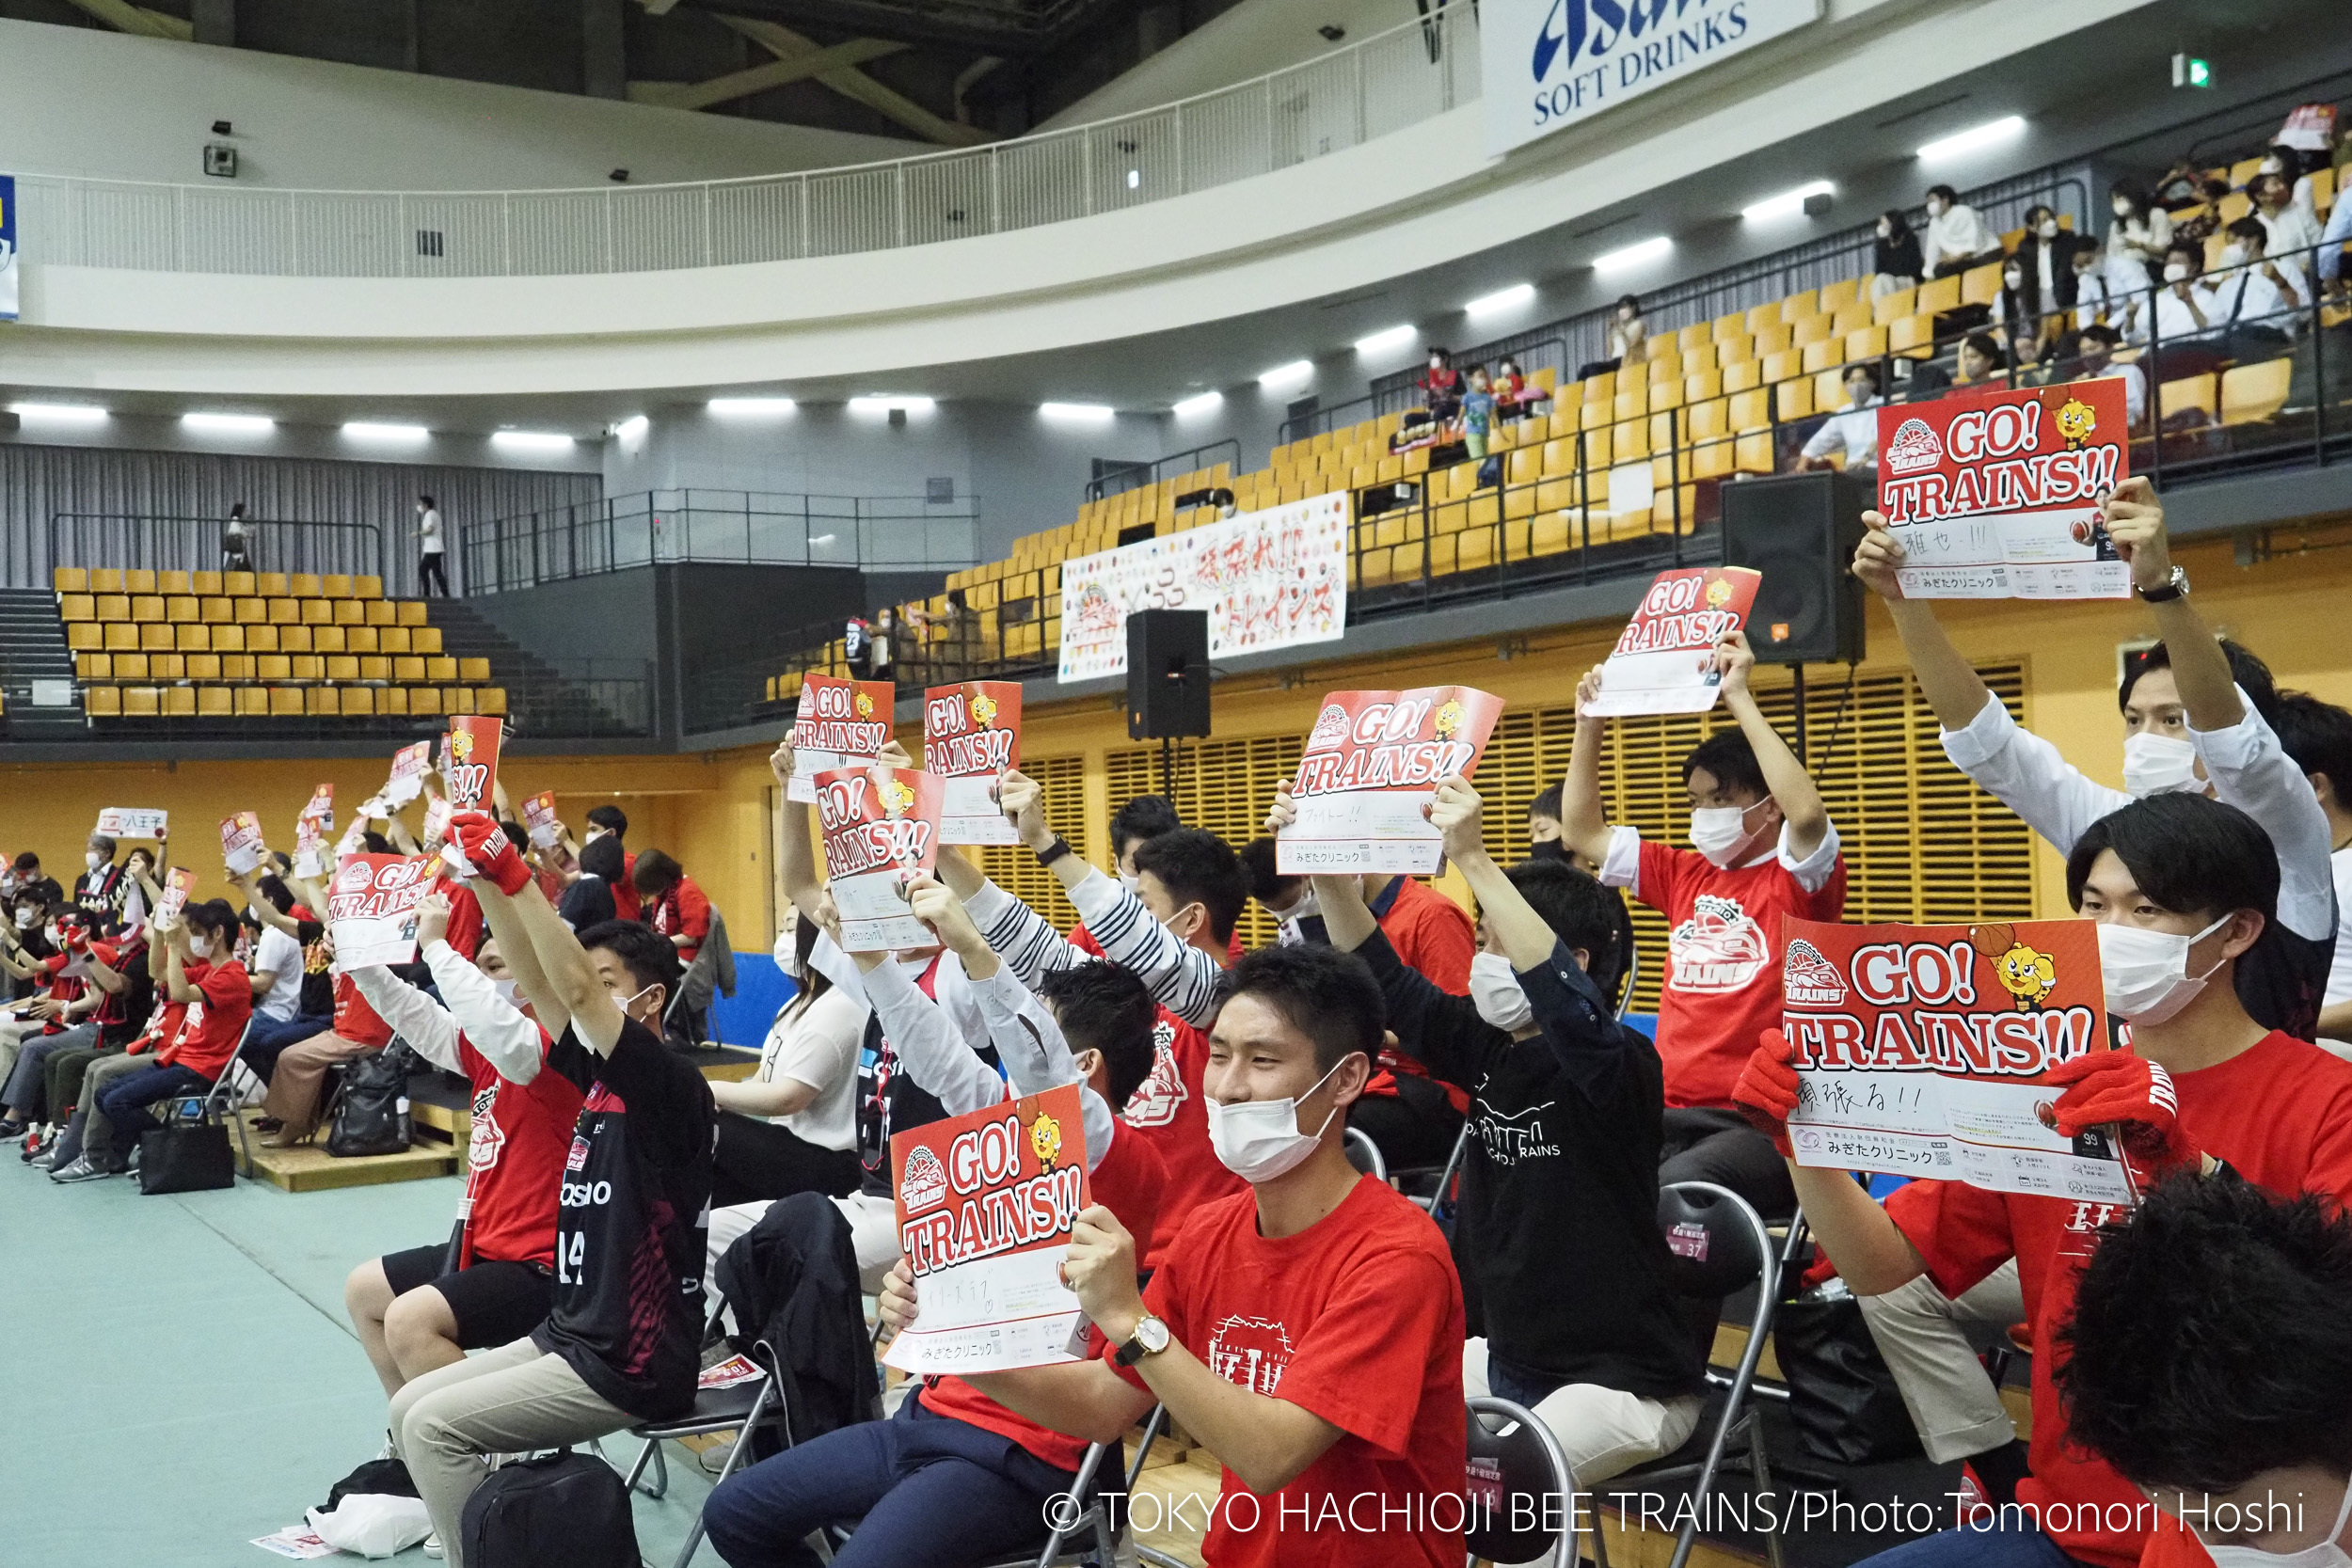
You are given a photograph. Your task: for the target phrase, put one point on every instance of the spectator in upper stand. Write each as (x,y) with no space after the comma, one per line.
(1146,816)
(2259,301)
(2047,253)
(1513,394)
(1895,260)
(2098,343)
(2202,222)
(2180,186)
(98,891)
(1853,434)
(2331,242)
(432,549)
(1478,413)
(1957,238)
(593,897)
(879,649)
(2138,238)
(613,820)
(2095,298)
(2290,228)
(1440,386)
(1766,849)
(1627,339)
(236,543)
(2017,314)
(2185,331)
(2318,738)
(1981,358)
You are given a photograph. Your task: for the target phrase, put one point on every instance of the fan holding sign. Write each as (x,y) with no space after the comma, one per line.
(1371,767)
(1665,661)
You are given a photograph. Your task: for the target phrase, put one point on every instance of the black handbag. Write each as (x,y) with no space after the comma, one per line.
(563,1510)
(189,1153)
(1842,1396)
(372,1107)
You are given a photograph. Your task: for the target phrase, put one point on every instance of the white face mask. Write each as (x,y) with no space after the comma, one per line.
(2122,208)
(2175,271)
(1886,231)
(2146,973)
(2154,763)
(1722,834)
(1305,907)
(626,1003)
(200,948)
(2326,1554)
(1935,209)
(24,919)
(1495,987)
(2049,230)
(93,858)
(1260,1139)
(505,989)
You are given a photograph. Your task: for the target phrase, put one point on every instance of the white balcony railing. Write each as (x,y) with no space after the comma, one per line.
(1349,97)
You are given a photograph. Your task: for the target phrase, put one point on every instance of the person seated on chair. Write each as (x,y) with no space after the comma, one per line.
(1852,434)
(1413,1119)
(2183,889)
(87,1074)
(280,973)
(1308,1330)
(63,1017)
(423,1308)
(952,1452)
(1766,849)
(674,905)
(1562,1167)
(2210,1363)
(199,974)
(622,1342)
(792,1127)
(119,971)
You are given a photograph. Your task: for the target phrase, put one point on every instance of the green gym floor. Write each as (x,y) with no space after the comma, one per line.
(182,1377)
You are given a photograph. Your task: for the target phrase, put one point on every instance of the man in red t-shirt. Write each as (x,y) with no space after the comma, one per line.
(953,1453)
(199,974)
(2183,888)
(1309,1331)
(1766,849)
(422,1309)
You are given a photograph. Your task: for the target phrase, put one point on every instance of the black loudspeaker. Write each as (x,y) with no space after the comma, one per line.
(1168,674)
(1799,530)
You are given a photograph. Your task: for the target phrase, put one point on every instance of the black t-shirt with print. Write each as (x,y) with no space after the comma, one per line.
(631,1219)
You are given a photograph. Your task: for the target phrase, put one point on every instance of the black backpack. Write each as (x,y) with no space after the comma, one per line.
(372,1107)
(563,1510)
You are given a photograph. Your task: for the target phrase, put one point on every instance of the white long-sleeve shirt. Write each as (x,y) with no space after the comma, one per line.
(1958,235)
(2245,764)
(2331,241)
(1854,432)
(1181,977)
(470,1005)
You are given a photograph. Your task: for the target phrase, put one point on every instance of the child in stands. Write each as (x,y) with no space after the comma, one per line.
(1765,849)
(1307,1331)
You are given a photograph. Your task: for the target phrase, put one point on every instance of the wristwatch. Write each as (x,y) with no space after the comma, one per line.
(1150,1339)
(2172,588)
(1055,851)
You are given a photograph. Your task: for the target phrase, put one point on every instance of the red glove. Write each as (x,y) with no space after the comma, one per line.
(2122,1087)
(1767,1090)
(489,851)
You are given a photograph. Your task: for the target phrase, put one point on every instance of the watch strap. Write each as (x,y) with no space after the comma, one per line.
(2171,589)
(1055,851)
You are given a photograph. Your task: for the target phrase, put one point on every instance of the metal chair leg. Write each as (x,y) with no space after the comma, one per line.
(650,1455)
(1761,1463)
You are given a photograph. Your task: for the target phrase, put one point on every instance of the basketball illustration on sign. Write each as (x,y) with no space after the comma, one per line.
(924,1183)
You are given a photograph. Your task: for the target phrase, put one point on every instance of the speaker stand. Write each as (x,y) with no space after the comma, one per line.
(1168,767)
(1796,674)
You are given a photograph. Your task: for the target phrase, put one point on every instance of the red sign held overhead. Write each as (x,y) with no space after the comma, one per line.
(841,724)
(469,760)
(1665,661)
(1372,764)
(971,736)
(881,828)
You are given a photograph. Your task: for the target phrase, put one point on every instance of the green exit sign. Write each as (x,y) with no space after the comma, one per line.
(2190,72)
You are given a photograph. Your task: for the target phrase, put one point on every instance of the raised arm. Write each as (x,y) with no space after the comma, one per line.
(802,882)
(2208,691)
(414,1016)
(1783,775)
(1584,823)
(503,912)
(176,984)
(1950,684)
(507,1040)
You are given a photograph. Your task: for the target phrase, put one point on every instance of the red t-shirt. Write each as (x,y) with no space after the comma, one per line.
(1128,1184)
(163,1026)
(1722,989)
(522,1134)
(1359,1319)
(355,1021)
(625,904)
(684,911)
(2280,1113)
(63,988)
(213,1024)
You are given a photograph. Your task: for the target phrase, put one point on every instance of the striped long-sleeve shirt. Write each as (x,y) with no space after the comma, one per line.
(1182,978)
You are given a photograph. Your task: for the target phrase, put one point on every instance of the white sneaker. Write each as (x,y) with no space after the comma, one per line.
(433,1547)
(714,1458)
(80,1170)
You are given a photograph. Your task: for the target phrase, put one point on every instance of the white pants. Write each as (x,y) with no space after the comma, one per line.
(1885,283)
(873,1235)
(1603,1432)
(1919,1330)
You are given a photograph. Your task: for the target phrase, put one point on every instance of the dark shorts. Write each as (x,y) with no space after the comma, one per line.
(494,1304)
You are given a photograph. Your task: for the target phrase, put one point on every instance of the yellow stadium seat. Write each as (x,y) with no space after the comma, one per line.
(1810,329)
(336,585)
(441,670)
(410,612)
(408,669)
(103,702)
(297,640)
(167,667)
(423,700)
(319,701)
(138,579)
(84,635)
(193,637)
(207,583)
(1913,336)
(1753,453)
(348,613)
(1820,355)
(305,585)
(179,702)
(374,667)
(341,668)
(1706,420)
(248,612)
(1744,376)
(394,640)
(308,667)
(285,612)
(1981,285)
(392,699)
(1837,296)
(328,639)
(212,702)
(252,701)
(203,667)
(105,579)
(285,701)
(357,699)
(1794,400)
(2254,393)
(491,700)
(237,667)
(367,587)
(473,672)
(168,583)
(268,585)
(378,613)
(360,640)
(2194,391)
(1784,365)
(317,612)
(1797,307)
(273,667)
(459,698)
(230,639)
(121,637)
(93,667)
(1937,295)
(141,702)
(147,608)
(1866,343)
(69,579)
(262,639)
(427,640)
(155,638)
(217,611)
(1893,306)
(77,607)
(130,667)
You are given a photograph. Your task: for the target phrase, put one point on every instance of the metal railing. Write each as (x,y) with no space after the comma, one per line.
(1341,100)
(1119,478)
(146,541)
(718,527)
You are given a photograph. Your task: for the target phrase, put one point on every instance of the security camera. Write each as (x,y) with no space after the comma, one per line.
(1333,32)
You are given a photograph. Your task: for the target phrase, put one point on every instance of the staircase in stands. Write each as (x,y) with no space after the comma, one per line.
(541,700)
(32,647)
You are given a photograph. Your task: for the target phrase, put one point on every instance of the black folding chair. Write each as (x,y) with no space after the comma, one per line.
(740,1409)
(1723,1248)
(1514,1456)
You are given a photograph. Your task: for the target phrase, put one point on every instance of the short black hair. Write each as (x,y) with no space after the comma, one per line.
(210,914)
(2245,668)
(428,500)
(2102,333)
(28,861)
(605,858)
(1633,300)
(1145,816)
(281,896)
(2318,737)
(1985,344)
(1945,191)
(1866,368)
(655,873)
(1580,912)
(1107,1008)
(2187,853)
(612,819)
(2212,1338)
(646,953)
(1196,867)
(1271,887)
(1547,804)
(1728,755)
(2188,250)
(1326,995)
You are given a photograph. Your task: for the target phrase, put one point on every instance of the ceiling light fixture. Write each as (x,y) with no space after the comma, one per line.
(1975,138)
(59,413)
(1387,337)
(370,430)
(1203,402)
(632,427)
(229,424)
(1633,255)
(1297,371)
(531,440)
(1787,204)
(1502,299)
(728,407)
(882,403)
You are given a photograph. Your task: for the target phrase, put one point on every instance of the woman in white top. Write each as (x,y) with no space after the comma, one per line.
(431,572)
(791,1126)
(2293,231)
(2138,238)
